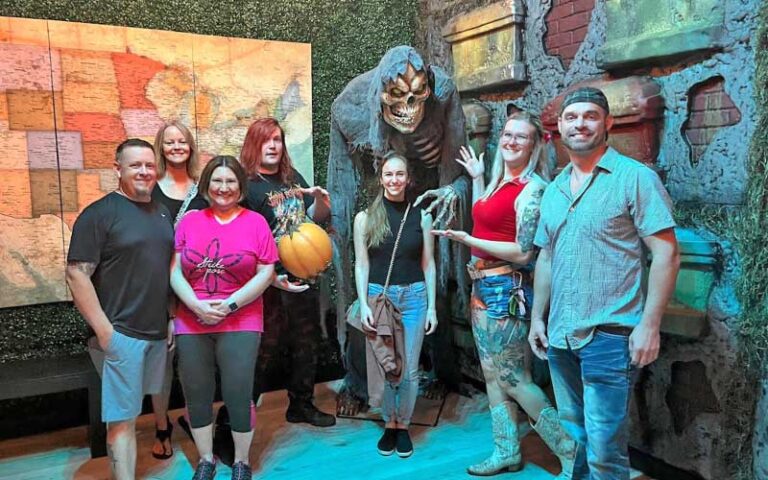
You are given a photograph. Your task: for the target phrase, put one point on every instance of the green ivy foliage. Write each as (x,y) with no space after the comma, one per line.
(753,285)
(348,37)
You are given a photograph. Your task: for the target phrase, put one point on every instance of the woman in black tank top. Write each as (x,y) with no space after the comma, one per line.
(411,287)
(176,156)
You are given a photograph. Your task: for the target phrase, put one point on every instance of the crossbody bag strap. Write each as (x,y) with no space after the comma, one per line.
(192,193)
(394,249)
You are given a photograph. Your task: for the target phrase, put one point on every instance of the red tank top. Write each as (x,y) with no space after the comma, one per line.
(495,218)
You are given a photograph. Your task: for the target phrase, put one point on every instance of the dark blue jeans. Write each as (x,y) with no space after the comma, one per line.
(593,387)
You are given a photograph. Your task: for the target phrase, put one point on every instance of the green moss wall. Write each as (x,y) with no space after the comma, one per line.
(348,37)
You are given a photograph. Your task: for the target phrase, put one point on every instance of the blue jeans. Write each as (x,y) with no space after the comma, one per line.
(398,402)
(497,294)
(593,386)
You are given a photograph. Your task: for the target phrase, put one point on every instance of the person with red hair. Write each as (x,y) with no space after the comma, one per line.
(280,193)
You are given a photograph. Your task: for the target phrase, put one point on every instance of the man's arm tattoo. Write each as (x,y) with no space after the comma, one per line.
(86,267)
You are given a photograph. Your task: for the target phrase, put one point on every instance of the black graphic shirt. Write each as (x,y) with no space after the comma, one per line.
(278,202)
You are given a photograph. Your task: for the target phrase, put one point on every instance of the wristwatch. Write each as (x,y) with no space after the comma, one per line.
(232,306)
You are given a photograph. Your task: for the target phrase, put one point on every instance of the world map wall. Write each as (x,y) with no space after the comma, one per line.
(71,92)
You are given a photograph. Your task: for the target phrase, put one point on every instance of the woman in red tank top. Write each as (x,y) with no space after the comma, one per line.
(505,213)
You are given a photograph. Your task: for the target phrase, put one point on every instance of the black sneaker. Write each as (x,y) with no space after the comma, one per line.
(205,470)
(306,412)
(404,446)
(241,471)
(386,445)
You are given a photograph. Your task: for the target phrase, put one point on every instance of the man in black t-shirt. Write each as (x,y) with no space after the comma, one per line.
(291,309)
(118,272)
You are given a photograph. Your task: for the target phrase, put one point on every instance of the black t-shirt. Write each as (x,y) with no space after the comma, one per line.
(273,199)
(131,244)
(277,202)
(407,267)
(173,205)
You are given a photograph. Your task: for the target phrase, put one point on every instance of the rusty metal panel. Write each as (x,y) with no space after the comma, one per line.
(642,30)
(487,47)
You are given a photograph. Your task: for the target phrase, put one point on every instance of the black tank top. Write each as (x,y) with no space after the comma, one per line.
(407,268)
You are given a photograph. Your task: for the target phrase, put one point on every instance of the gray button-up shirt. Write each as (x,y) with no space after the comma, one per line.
(595,242)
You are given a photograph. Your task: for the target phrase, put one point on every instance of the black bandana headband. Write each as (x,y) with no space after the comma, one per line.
(586,95)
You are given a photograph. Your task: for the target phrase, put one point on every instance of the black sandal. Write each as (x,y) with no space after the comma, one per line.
(162,436)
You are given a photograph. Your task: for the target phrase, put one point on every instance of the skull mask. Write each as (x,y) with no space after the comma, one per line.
(403,100)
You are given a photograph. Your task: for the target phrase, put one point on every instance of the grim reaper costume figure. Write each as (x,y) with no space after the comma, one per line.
(412,108)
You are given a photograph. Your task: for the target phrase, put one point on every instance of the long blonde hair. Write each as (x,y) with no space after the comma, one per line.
(377,223)
(537,164)
(193,167)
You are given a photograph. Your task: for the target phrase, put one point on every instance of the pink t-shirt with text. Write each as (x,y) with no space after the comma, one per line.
(217,260)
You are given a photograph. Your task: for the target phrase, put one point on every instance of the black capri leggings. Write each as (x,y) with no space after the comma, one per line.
(235,354)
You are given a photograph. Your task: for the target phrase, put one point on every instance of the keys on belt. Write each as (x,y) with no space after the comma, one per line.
(517,304)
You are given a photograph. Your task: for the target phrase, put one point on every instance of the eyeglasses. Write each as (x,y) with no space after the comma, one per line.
(518,137)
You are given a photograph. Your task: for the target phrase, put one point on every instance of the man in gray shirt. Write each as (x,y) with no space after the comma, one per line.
(595,218)
(118,269)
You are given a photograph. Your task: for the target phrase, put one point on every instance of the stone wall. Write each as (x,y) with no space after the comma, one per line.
(693,407)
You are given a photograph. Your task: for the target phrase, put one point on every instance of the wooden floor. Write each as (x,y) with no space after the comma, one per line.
(288,451)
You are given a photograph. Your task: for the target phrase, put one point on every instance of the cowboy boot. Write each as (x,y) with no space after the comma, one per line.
(506,445)
(557,439)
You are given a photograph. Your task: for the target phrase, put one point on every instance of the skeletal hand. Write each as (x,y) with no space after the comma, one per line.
(444,202)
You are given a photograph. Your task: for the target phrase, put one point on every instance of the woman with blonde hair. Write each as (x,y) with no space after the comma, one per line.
(408,280)
(505,213)
(176,188)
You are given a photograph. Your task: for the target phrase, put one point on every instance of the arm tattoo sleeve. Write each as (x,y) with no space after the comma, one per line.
(86,267)
(528,221)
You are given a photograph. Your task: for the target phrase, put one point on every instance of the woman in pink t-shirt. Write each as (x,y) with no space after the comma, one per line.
(224,261)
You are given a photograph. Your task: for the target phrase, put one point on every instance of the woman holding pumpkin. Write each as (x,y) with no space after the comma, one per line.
(505,215)
(224,260)
(411,286)
(279,192)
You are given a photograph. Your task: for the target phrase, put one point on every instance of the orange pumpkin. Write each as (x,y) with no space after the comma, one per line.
(306,251)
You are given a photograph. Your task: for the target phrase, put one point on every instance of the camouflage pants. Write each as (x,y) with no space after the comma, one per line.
(290,342)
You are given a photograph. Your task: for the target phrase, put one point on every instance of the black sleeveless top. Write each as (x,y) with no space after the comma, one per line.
(407,267)
(173,205)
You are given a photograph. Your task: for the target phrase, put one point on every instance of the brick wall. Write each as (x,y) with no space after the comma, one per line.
(567,25)
(709,109)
